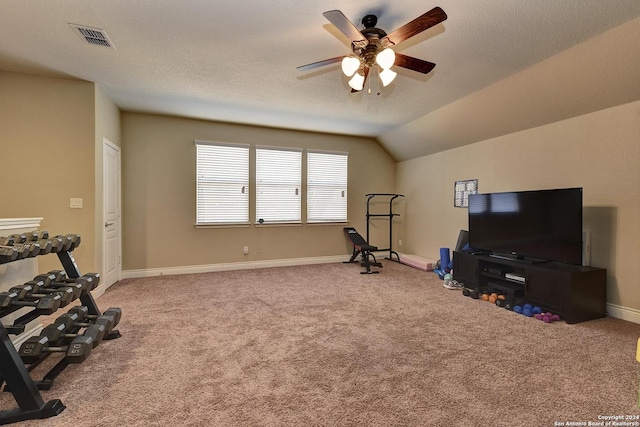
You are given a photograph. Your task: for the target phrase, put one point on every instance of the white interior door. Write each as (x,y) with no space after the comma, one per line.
(111,263)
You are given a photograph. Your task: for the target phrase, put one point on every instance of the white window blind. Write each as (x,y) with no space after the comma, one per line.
(278,182)
(222,179)
(327,187)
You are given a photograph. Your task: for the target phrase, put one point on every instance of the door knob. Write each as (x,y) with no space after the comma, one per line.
(106,224)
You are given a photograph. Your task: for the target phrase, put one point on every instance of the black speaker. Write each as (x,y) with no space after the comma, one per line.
(463,239)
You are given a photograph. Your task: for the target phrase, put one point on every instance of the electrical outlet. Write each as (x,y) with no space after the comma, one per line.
(400,242)
(245,250)
(75,203)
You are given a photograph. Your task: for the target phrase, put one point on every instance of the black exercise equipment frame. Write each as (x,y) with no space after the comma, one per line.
(389,215)
(13,370)
(361,247)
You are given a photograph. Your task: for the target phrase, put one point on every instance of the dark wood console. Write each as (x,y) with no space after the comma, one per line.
(576,293)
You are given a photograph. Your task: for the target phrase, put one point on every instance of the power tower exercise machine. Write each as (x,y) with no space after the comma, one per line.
(390,215)
(360,244)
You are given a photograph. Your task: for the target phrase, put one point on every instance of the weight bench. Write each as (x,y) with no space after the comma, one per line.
(362,248)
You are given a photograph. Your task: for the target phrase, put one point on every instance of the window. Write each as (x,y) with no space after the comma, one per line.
(222,181)
(326,187)
(278,182)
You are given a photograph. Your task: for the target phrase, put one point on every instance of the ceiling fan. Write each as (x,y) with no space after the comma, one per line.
(372,46)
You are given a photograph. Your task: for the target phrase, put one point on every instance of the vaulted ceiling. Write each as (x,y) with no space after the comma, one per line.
(236,61)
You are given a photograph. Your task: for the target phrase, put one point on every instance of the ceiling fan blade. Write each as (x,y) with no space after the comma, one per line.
(364,83)
(414,64)
(347,28)
(319,63)
(418,25)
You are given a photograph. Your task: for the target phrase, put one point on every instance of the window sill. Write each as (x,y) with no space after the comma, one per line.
(221,225)
(278,224)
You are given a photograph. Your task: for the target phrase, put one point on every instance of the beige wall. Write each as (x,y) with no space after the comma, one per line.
(159,195)
(107,125)
(598,151)
(47,152)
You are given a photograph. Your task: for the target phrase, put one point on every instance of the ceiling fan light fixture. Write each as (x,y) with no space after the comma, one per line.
(357,81)
(387,76)
(386,58)
(350,65)
(371,48)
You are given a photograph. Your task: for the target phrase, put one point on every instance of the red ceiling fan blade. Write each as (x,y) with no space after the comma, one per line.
(414,64)
(347,28)
(364,83)
(418,25)
(318,64)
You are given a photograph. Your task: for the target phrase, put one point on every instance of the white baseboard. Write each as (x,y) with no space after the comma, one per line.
(623,313)
(99,291)
(191,269)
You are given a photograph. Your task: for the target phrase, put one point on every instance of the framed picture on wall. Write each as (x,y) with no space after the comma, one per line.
(462,189)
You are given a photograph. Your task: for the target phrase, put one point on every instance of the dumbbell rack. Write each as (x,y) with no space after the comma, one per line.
(13,370)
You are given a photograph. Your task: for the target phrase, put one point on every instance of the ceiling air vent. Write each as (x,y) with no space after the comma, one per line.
(93,35)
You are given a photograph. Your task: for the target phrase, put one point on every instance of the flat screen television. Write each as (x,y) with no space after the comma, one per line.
(543,224)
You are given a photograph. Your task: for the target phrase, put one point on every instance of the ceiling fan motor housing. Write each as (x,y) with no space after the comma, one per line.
(376,39)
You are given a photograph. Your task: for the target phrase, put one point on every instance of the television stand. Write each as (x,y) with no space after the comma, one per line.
(518,258)
(576,293)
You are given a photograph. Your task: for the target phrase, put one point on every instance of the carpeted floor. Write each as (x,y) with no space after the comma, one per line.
(323,345)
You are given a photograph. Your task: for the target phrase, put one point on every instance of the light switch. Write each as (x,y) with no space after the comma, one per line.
(75,203)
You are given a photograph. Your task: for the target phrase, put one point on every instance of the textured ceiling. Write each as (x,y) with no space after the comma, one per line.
(236,60)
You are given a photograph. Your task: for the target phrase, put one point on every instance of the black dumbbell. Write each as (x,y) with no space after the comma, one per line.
(75,352)
(42,239)
(47,304)
(21,250)
(45,246)
(76,240)
(21,244)
(57,332)
(57,243)
(21,291)
(7,241)
(89,281)
(79,288)
(37,289)
(83,313)
(70,241)
(6,298)
(74,318)
(36,235)
(61,276)
(110,318)
(511,302)
(18,238)
(7,254)
(506,302)
(32,247)
(469,292)
(67,242)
